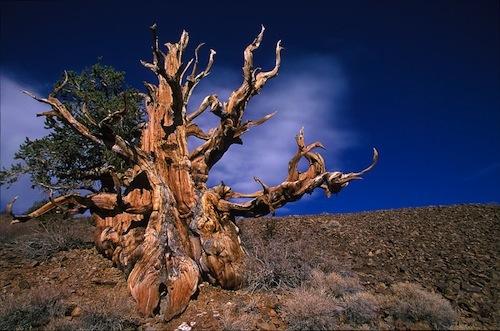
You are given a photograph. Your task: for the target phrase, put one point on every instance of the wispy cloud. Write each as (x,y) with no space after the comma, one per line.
(17,121)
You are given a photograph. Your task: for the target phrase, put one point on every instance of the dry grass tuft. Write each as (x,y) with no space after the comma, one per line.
(240,317)
(361,307)
(334,284)
(35,309)
(275,264)
(111,311)
(411,303)
(310,309)
(10,232)
(56,235)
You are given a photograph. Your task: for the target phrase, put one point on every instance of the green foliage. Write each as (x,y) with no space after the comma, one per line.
(63,158)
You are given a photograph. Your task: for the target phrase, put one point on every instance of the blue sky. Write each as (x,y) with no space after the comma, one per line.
(419,80)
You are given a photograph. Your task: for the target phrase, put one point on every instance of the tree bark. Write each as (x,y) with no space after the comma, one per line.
(161,224)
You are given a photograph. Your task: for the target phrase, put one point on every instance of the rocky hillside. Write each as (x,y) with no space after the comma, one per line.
(414,268)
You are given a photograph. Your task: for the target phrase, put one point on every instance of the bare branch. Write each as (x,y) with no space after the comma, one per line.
(263,77)
(64,114)
(112,117)
(195,131)
(60,87)
(109,139)
(250,124)
(195,65)
(186,67)
(248,55)
(54,203)
(296,184)
(194,78)
(203,106)
(87,115)
(49,113)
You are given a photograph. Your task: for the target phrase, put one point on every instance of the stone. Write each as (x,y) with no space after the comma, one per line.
(24,285)
(184,327)
(77,311)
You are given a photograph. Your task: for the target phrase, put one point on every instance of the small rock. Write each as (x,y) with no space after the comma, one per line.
(380,288)
(183,327)
(24,285)
(77,311)
(105,282)
(34,264)
(193,323)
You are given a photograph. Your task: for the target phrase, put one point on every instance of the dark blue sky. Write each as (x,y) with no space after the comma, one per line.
(421,78)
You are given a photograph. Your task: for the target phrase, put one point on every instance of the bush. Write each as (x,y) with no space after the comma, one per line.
(10,232)
(32,310)
(54,236)
(334,284)
(310,309)
(410,302)
(277,264)
(111,311)
(361,307)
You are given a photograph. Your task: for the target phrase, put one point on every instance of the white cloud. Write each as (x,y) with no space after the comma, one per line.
(17,121)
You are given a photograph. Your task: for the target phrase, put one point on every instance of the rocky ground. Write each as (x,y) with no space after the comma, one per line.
(452,251)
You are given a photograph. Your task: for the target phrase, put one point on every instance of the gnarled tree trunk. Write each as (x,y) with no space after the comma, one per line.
(159,222)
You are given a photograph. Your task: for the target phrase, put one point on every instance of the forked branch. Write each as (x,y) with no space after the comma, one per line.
(231,112)
(295,186)
(107,138)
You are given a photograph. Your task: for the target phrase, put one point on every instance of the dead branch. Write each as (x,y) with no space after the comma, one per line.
(231,112)
(296,184)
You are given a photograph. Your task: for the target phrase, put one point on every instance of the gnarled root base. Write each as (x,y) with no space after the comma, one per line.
(163,270)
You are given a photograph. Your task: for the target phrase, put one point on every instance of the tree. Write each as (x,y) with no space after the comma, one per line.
(155,216)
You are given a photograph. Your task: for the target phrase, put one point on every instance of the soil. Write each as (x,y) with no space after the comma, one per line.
(452,250)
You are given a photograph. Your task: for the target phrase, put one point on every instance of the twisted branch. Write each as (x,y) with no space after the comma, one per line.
(294,187)
(231,112)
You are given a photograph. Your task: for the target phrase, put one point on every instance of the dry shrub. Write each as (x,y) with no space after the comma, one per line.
(54,236)
(310,309)
(361,307)
(275,264)
(334,284)
(328,301)
(111,311)
(34,309)
(240,317)
(411,303)
(10,232)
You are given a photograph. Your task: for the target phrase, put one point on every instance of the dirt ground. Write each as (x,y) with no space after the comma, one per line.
(450,250)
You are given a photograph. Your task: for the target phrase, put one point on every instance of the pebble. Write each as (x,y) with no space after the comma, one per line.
(77,311)
(184,327)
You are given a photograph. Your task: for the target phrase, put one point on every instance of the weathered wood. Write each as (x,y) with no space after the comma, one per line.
(158,221)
